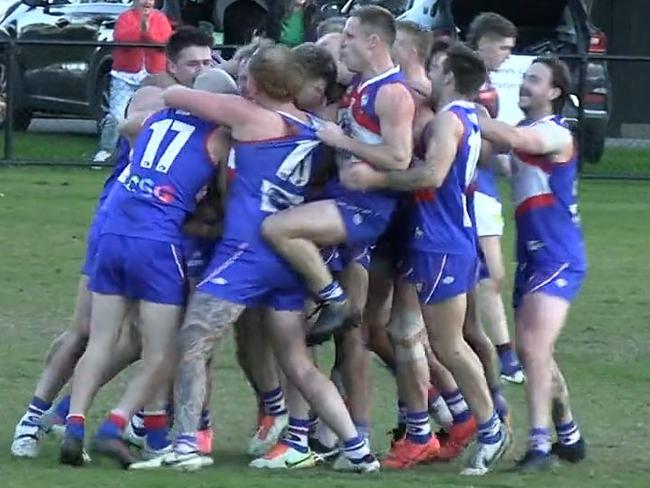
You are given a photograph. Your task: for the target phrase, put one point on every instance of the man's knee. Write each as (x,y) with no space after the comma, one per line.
(407,333)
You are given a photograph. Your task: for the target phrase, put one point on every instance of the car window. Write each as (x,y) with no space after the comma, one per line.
(77,2)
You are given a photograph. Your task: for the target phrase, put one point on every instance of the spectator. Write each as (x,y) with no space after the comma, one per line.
(331,25)
(142,23)
(291,22)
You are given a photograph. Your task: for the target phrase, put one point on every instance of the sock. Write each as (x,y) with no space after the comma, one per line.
(186,443)
(332,293)
(113,426)
(457,406)
(568,434)
(500,403)
(157,430)
(313,425)
(63,407)
(74,426)
(418,429)
(137,424)
(297,435)
(362,428)
(490,431)
(34,412)
(507,358)
(356,448)
(539,440)
(206,420)
(401,413)
(274,402)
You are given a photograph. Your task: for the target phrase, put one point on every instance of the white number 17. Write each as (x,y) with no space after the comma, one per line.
(167,158)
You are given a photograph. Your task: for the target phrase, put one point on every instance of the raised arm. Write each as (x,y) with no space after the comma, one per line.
(540,139)
(395,109)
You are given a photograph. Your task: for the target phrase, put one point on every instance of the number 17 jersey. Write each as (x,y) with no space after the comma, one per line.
(170,164)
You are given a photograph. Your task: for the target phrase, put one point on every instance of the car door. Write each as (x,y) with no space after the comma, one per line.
(56,77)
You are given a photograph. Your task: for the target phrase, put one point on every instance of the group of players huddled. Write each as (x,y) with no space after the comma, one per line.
(345,189)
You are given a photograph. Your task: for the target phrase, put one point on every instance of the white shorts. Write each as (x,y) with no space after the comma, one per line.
(489,215)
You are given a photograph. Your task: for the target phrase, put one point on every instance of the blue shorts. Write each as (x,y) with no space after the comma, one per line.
(363,226)
(338,257)
(256,278)
(92,240)
(439,277)
(197,252)
(556,280)
(139,269)
(393,245)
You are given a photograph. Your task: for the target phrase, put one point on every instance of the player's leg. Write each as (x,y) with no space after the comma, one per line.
(492,309)
(378,308)
(60,361)
(406,329)
(570,446)
(317,389)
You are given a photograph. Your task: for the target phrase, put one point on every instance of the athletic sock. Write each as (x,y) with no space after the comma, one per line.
(297,435)
(457,406)
(137,423)
(490,431)
(206,420)
(568,434)
(418,428)
(35,410)
(507,358)
(113,426)
(332,293)
(539,440)
(186,443)
(157,429)
(74,426)
(356,448)
(273,402)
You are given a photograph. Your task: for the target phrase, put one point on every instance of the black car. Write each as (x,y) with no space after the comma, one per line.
(73,81)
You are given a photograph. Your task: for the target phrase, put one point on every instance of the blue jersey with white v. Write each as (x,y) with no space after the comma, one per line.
(170,164)
(442,222)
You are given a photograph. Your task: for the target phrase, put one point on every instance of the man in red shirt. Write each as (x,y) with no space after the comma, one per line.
(142,23)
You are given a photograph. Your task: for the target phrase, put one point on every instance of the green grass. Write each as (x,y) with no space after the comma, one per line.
(604,351)
(51,147)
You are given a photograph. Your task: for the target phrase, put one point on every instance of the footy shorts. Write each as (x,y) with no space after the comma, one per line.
(439,277)
(242,274)
(338,257)
(197,252)
(559,280)
(92,240)
(139,269)
(363,225)
(489,215)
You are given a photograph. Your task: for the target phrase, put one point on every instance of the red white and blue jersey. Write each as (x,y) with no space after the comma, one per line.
(442,218)
(360,121)
(271,175)
(486,183)
(170,164)
(545,195)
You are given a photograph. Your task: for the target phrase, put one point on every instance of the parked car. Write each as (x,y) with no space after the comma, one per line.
(551,26)
(74,81)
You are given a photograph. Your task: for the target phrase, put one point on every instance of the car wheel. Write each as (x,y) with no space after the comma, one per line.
(241,20)
(102,102)
(22,117)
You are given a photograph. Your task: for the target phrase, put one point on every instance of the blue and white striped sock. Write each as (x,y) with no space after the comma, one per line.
(539,440)
(273,402)
(457,406)
(356,448)
(34,412)
(297,435)
(490,431)
(186,443)
(418,428)
(568,434)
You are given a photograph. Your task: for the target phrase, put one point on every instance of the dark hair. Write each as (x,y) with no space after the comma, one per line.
(276,72)
(279,12)
(560,78)
(468,69)
(440,45)
(331,25)
(377,20)
(317,64)
(422,38)
(185,37)
(489,24)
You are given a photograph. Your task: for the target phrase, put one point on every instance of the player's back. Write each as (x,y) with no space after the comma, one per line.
(170,163)
(442,218)
(271,175)
(545,195)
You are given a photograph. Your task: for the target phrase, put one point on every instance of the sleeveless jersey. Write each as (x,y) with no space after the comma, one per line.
(121,162)
(271,175)
(545,195)
(485,180)
(441,219)
(360,121)
(170,164)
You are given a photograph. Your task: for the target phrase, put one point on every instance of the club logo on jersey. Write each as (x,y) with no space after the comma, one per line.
(364,100)
(146,187)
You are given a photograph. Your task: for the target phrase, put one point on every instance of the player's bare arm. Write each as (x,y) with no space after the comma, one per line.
(395,108)
(446,131)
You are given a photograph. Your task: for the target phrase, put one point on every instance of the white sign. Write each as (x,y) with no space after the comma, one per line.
(507,80)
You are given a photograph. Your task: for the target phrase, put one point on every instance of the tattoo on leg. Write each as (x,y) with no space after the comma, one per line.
(205,323)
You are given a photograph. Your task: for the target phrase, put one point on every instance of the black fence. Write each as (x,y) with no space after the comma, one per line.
(626,153)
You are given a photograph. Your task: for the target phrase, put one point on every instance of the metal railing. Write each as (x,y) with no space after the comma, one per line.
(639,150)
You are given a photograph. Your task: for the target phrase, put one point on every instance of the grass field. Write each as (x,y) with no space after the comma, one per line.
(605,351)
